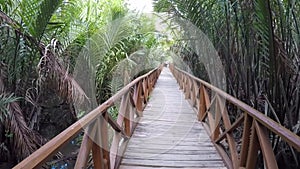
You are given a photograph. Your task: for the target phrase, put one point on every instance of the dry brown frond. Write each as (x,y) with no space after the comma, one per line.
(53,75)
(3,76)
(23,140)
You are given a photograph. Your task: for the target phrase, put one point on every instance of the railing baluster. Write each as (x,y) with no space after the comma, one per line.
(97,155)
(211,119)
(131,119)
(127,123)
(104,140)
(266,147)
(145,90)
(227,124)
(140,98)
(84,152)
(202,104)
(245,140)
(96,137)
(114,151)
(181,82)
(188,88)
(194,94)
(86,146)
(253,149)
(217,120)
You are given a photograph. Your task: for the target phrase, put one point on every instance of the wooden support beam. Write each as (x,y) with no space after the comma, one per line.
(84,151)
(104,140)
(266,148)
(234,126)
(229,135)
(253,149)
(202,104)
(245,140)
(97,155)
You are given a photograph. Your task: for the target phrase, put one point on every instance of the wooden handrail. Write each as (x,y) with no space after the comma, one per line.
(255,124)
(132,101)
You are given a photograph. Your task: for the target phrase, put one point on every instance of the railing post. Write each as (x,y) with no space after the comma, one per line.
(202,104)
(97,154)
(115,155)
(217,120)
(245,140)
(187,90)
(100,151)
(127,122)
(181,81)
(145,89)
(266,148)
(138,97)
(84,151)
(194,94)
(227,124)
(86,145)
(149,85)
(253,149)
(104,140)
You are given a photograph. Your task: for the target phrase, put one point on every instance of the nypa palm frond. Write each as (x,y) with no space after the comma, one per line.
(5,100)
(53,75)
(36,14)
(22,140)
(264,27)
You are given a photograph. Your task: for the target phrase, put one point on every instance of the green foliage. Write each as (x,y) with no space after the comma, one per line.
(121,38)
(263,25)
(113,111)
(4,102)
(41,40)
(80,114)
(162,5)
(258,43)
(36,15)
(26,30)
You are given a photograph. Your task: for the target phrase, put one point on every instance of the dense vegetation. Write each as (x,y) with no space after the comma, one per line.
(43,41)
(258,42)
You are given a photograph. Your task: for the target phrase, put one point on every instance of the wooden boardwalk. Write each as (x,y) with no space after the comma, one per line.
(169,135)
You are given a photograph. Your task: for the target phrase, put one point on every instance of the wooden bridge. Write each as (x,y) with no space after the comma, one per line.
(177,126)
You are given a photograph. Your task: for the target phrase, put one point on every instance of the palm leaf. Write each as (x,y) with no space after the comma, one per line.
(96,56)
(36,14)
(4,102)
(53,75)
(266,31)
(22,140)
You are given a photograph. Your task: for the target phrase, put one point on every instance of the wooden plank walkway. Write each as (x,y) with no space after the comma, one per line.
(169,135)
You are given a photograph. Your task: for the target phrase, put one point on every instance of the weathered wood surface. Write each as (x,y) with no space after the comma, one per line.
(169,134)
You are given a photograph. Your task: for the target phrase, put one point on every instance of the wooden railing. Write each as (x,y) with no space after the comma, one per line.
(211,106)
(133,99)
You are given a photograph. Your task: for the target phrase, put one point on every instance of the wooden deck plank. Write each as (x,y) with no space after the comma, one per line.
(143,167)
(165,163)
(173,157)
(169,135)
